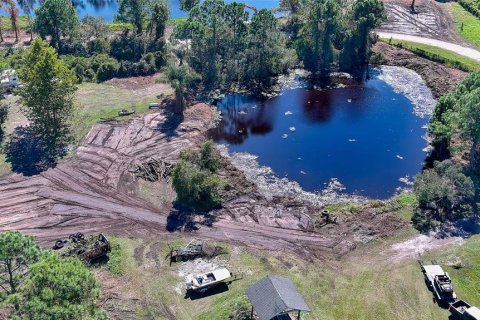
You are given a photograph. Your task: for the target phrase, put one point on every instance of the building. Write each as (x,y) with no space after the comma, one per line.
(276,298)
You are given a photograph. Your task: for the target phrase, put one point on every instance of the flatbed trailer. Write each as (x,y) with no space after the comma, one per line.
(438,281)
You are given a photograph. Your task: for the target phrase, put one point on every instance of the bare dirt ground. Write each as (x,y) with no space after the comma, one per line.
(421,244)
(94,191)
(429,20)
(10,41)
(439,78)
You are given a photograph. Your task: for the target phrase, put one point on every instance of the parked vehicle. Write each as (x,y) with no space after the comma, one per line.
(439,282)
(125,112)
(9,80)
(87,248)
(154,105)
(462,310)
(205,281)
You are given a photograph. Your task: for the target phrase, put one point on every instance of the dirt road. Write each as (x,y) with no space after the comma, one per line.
(461,50)
(94,191)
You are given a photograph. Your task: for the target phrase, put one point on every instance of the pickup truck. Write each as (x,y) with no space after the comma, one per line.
(439,282)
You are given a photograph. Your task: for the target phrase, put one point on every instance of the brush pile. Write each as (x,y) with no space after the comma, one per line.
(153,170)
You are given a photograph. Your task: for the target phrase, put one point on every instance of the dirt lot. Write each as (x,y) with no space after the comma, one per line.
(430,20)
(94,191)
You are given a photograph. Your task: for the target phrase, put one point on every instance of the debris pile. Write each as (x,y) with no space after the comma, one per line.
(153,170)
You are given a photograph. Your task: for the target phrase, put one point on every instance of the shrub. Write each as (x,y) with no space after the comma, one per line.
(206,158)
(443,193)
(98,46)
(3,118)
(196,188)
(107,71)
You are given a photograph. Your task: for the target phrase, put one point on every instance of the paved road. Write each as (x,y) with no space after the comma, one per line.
(461,50)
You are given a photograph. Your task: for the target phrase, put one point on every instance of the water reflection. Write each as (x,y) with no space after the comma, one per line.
(366,136)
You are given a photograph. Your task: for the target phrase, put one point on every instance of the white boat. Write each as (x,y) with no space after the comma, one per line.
(204,281)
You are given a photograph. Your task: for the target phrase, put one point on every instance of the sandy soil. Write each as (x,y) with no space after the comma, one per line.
(418,245)
(10,41)
(94,191)
(430,20)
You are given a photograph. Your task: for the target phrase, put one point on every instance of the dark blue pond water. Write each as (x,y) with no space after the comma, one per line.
(366,136)
(108,8)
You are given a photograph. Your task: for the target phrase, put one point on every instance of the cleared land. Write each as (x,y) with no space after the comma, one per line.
(97,102)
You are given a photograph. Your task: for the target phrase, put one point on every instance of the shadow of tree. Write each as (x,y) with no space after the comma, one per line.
(28,154)
(220,288)
(183,219)
(174,118)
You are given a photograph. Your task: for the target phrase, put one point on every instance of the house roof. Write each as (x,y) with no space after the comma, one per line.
(272,295)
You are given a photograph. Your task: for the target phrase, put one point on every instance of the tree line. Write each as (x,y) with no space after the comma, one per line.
(450,190)
(227,45)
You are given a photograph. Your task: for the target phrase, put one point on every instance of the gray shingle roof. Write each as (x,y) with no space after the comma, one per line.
(273,295)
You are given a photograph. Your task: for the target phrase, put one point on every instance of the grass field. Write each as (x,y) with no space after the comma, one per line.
(99,101)
(467,25)
(440,55)
(7,24)
(373,282)
(365,285)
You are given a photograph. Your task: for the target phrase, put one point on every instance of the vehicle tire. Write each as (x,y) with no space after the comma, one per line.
(58,244)
(73,238)
(79,235)
(80,251)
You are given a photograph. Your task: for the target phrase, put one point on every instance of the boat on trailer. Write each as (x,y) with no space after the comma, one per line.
(205,281)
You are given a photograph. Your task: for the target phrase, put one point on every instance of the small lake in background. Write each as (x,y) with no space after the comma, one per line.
(108,8)
(366,136)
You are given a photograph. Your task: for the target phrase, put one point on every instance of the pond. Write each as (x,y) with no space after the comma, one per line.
(108,8)
(366,136)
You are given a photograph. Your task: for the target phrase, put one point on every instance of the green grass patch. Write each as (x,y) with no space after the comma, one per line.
(177,21)
(436,54)
(407,199)
(467,25)
(118,26)
(22,23)
(116,258)
(101,101)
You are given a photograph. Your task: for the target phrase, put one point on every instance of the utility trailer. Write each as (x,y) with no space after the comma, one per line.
(193,250)
(462,310)
(438,281)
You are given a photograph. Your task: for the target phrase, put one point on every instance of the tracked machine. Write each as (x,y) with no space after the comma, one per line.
(87,248)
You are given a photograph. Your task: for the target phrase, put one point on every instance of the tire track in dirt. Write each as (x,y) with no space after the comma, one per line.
(93,192)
